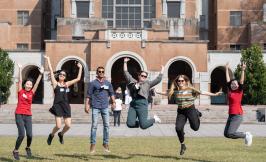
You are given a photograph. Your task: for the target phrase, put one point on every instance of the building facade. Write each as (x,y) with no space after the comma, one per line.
(185,36)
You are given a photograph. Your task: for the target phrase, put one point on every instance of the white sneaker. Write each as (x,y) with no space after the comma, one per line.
(248,139)
(157,119)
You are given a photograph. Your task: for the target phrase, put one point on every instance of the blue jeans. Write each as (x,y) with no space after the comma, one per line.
(105,117)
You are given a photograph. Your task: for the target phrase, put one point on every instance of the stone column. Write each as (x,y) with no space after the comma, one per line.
(91,9)
(183,9)
(48,94)
(164,8)
(204,86)
(73,9)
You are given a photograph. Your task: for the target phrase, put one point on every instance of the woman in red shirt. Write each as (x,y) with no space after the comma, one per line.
(23,111)
(235,93)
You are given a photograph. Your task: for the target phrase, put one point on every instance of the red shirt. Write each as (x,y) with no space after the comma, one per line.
(24,102)
(234,99)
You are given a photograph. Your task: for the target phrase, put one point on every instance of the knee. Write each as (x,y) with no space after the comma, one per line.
(178,129)
(58,126)
(130,124)
(21,136)
(68,125)
(228,135)
(195,128)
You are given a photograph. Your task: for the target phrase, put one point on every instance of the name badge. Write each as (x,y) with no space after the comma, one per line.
(62,89)
(67,90)
(105,87)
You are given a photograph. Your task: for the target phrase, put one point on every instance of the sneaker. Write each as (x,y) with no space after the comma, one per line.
(92,148)
(50,139)
(183,149)
(157,119)
(106,148)
(248,139)
(61,137)
(28,152)
(16,155)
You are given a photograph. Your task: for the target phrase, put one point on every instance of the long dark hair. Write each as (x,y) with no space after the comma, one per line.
(56,74)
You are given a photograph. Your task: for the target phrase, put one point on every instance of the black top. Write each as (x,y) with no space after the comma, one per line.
(60,94)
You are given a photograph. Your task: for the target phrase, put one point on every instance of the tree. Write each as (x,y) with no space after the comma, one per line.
(255,76)
(6,73)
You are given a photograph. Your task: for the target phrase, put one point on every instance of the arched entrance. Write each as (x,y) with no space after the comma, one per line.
(117,73)
(76,94)
(33,72)
(177,68)
(218,82)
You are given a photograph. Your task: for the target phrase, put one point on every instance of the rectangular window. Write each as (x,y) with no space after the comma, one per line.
(22,46)
(235,47)
(128,17)
(149,12)
(108,11)
(22,17)
(173,9)
(235,18)
(83,8)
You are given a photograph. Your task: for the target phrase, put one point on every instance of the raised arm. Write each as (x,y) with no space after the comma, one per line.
(227,72)
(53,80)
(242,77)
(129,78)
(71,82)
(38,80)
(19,77)
(158,79)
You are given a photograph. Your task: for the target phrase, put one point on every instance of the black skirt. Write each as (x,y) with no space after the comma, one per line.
(61,109)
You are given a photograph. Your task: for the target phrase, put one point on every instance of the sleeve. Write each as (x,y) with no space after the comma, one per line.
(196,92)
(129,78)
(111,90)
(90,90)
(156,81)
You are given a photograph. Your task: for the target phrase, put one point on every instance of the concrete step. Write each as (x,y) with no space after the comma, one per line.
(167,113)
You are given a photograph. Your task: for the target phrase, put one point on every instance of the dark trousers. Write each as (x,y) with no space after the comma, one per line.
(192,115)
(232,124)
(23,122)
(117,118)
(139,109)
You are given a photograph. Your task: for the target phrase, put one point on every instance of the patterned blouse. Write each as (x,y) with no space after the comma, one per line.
(185,98)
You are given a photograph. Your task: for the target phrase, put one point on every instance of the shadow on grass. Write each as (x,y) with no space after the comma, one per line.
(170,157)
(6,159)
(36,158)
(94,156)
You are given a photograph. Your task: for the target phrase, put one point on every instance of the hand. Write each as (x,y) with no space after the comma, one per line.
(46,57)
(243,66)
(126,59)
(41,70)
(218,93)
(113,106)
(19,65)
(227,65)
(87,109)
(79,65)
(162,69)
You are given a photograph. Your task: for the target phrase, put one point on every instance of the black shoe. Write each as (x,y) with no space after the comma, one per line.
(61,138)
(183,149)
(16,155)
(28,151)
(50,139)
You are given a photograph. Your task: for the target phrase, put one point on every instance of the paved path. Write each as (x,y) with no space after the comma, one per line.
(206,130)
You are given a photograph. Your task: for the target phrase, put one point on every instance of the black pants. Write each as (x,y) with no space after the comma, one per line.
(23,122)
(117,118)
(192,115)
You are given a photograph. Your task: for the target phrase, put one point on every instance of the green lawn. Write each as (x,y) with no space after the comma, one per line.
(146,149)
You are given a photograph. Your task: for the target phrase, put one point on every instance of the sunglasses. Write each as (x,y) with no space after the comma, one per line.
(62,74)
(143,76)
(101,71)
(181,81)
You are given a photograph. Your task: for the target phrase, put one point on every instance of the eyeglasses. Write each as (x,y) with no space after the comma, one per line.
(143,76)
(181,81)
(101,71)
(62,74)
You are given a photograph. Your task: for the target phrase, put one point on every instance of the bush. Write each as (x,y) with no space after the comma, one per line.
(6,73)
(255,76)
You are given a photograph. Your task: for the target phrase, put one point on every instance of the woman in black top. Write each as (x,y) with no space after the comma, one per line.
(61,107)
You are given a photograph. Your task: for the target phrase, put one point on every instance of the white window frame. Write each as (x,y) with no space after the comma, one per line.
(25,17)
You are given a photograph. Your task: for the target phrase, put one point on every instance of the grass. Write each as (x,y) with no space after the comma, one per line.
(148,149)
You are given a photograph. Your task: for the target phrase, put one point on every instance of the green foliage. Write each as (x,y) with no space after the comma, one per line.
(255,76)
(6,73)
